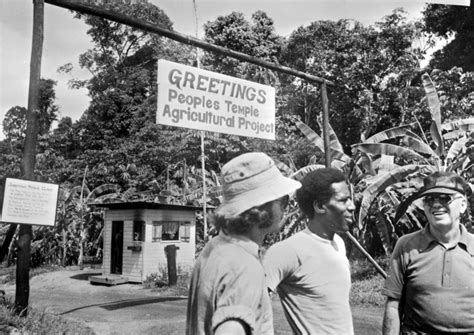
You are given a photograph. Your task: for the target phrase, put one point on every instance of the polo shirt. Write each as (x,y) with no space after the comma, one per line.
(435,285)
(228,283)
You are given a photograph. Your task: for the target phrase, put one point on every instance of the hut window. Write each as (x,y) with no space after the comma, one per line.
(157,229)
(139,231)
(171,231)
(186,232)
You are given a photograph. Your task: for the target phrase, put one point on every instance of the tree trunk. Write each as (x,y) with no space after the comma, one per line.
(29,158)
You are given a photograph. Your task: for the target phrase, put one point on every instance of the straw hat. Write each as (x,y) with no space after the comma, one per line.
(250,180)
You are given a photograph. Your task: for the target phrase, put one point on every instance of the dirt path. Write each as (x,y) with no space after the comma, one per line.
(130,309)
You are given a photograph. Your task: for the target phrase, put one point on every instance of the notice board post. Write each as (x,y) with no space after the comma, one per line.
(22,293)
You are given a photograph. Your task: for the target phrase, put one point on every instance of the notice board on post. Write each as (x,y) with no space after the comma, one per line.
(193,98)
(29,202)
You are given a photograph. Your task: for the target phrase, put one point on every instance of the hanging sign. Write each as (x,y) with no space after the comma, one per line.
(450,2)
(29,202)
(198,99)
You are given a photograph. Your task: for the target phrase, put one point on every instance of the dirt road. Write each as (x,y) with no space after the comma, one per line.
(130,309)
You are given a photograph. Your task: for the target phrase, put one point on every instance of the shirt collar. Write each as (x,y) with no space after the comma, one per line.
(244,242)
(466,239)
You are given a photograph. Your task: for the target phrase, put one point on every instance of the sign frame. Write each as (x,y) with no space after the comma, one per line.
(40,196)
(194,98)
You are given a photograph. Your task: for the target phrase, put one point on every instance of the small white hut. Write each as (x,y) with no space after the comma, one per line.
(135,237)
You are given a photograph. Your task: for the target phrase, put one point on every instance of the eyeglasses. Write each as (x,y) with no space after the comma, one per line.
(443,199)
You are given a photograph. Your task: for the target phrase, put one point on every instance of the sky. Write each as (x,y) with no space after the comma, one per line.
(65,37)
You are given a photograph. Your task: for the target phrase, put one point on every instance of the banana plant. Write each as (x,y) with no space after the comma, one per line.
(414,158)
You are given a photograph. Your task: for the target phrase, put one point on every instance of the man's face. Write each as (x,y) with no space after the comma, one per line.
(339,209)
(444,210)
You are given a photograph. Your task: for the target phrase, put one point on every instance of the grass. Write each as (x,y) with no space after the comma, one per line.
(39,322)
(367,283)
(8,274)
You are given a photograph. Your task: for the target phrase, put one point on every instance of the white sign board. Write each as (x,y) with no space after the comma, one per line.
(29,202)
(198,99)
(450,2)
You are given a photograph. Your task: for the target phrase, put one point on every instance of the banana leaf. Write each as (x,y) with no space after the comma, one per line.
(392,133)
(435,109)
(311,135)
(316,140)
(384,181)
(283,167)
(386,163)
(366,163)
(299,175)
(381,223)
(106,198)
(127,195)
(419,146)
(334,143)
(455,134)
(105,188)
(388,149)
(463,124)
(456,148)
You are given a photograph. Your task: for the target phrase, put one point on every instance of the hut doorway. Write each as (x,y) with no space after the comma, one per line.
(117,248)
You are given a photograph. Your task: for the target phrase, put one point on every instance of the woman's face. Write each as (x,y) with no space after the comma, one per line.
(278,211)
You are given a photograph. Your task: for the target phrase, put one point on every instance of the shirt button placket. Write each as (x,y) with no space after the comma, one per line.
(447,266)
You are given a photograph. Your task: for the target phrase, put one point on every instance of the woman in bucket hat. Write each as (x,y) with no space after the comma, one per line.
(228,294)
(430,286)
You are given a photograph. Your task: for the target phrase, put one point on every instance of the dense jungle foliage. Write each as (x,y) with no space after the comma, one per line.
(393,120)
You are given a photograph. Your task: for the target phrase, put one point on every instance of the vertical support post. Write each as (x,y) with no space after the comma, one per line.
(204,189)
(170,251)
(203,134)
(327,155)
(327,147)
(28,162)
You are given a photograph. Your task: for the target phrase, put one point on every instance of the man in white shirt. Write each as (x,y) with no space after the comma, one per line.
(310,270)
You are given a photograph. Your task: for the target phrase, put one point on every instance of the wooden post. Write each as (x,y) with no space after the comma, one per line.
(327,146)
(327,155)
(28,161)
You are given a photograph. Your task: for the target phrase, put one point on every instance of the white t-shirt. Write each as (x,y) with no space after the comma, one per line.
(312,278)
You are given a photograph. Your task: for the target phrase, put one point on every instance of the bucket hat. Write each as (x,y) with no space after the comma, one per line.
(250,180)
(436,183)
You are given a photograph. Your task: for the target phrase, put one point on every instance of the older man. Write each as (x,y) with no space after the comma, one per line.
(228,294)
(310,270)
(430,287)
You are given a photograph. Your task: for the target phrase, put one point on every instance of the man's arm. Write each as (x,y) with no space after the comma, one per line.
(391,320)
